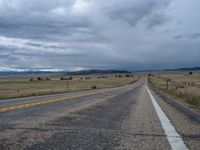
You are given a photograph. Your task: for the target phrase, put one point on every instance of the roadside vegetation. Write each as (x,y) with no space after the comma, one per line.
(183,86)
(35,86)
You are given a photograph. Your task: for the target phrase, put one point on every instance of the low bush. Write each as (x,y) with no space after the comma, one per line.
(93,87)
(39,78)
(127,75)
(70,78)
(195,101)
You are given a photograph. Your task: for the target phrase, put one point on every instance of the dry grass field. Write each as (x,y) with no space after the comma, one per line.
(22,87)
(184,86)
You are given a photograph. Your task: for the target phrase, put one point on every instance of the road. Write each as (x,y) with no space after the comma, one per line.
(117,118)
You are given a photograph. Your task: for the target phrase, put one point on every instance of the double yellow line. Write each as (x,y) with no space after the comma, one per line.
(3,109)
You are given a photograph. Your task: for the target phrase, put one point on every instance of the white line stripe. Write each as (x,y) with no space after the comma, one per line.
(173,137)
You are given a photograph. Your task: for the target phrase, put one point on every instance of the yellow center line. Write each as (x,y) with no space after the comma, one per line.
(2,109)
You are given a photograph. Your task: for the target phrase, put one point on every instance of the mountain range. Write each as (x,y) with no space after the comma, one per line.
(184,69)
(37,72)
(56,72)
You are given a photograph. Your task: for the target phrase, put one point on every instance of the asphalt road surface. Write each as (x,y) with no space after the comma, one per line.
(119,118)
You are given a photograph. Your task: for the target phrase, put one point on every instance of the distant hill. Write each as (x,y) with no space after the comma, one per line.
(61,73)
(30,73)
(92,72)
(184,69)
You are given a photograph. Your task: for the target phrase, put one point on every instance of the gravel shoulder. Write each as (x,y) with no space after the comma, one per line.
(185,120)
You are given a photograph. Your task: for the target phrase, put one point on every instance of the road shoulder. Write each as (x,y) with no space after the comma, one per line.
(185,120)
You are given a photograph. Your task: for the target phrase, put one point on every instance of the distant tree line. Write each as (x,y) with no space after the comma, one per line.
(66,78)
(40,79)
(126,75)
(86,78)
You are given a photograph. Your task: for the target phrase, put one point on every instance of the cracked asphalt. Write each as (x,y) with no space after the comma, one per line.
(117,118)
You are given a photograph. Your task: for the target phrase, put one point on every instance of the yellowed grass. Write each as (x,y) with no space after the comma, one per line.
(181,85)
(13,87)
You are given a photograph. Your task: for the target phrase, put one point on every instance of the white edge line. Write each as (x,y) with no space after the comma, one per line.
(173,137)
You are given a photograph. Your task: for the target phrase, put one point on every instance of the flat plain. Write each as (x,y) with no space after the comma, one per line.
(23,87)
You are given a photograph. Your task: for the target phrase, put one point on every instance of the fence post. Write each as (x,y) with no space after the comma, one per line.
(168,80)
(67,86)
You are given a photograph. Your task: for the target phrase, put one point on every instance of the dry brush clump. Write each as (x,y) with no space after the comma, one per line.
(40,78)
(102,77)
(93,87)
(64,78)
(187,97)
(119,76)
(129,75)
(70,78)
(190,73)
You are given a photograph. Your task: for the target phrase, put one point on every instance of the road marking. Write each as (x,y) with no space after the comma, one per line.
(2,109)
(173,137)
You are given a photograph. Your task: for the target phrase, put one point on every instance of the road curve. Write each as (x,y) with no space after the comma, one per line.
(117,118)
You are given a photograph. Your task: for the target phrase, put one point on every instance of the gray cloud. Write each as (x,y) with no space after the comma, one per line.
(119,34)
(188,36)
(133,12)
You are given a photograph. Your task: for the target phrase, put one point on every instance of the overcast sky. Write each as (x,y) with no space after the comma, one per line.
(100,34)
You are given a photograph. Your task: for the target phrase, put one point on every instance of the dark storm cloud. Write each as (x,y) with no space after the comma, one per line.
(78,34)
(134,12)
(41,21)
(42,29)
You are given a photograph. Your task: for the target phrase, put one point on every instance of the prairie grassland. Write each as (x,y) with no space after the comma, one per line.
(183,86)
(22,87)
